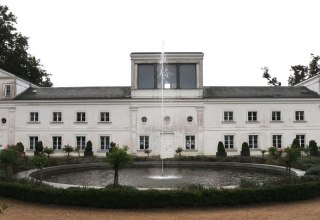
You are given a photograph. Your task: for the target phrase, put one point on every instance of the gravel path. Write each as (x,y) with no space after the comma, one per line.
(309,209)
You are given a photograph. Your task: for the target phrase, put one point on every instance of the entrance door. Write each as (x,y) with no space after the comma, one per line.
(167,150)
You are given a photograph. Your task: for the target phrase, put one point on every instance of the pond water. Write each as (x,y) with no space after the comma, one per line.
(152,178)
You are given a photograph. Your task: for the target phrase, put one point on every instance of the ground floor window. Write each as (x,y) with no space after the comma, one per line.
(33,140)
(277,141)
(301,139)
(56,142)
(229,141)
(190,142)
(104,142)
(253,141)
(144,142)
(81,142)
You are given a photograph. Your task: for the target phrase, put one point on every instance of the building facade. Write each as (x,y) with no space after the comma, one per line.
(165,107)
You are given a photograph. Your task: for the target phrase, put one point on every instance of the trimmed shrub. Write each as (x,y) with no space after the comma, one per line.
(313,145)
(313,171)
(20,147)
(39,146)
(221,148)
(88,146)
(245,147)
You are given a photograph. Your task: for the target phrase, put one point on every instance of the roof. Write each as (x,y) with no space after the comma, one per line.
(47,93)
(258,92)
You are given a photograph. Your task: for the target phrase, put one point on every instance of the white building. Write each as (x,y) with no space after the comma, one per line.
(184,114)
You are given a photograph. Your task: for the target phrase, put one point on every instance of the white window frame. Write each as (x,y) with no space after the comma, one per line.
(34,116)
(228,146)
(81,117)
(100,116)
(227,117)
(144,142)
(81,144)
(299,115)
(53,116)
(5,88)
(253,144)
(250,117)
(275,140)
(32,146)
(56,143)
(190,142)
(275,117)
(105,146)
(302,141)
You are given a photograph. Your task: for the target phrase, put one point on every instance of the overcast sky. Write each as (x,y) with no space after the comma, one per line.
(88,42)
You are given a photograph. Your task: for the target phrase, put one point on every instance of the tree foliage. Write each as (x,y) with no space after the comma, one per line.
(301,72)
(14,57)
(118,158)
(272,81)
(9,158)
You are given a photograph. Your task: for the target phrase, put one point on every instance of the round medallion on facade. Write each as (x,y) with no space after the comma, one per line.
(3,120)
(190,119)
(144,119)
(167,119)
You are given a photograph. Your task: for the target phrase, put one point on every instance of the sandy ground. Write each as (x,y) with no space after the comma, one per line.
(309,209)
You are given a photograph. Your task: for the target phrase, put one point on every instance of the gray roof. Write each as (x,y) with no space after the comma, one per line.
(258,92)
(214,92)
(75,93)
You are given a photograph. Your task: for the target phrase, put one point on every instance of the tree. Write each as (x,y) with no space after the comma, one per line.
(68,149)
(9,158)
(14,57)
(48,151)
(291,156)
(40,161)
(301,72)
(118,158)
(272,81)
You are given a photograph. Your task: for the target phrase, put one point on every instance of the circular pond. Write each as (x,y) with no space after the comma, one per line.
(173,177)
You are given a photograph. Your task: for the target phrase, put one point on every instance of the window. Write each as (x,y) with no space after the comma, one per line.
(81,142)
(253,141)
(81,116)
(190,142)
(168,76)
(56,142)
(276,116)
(104,142)
(34,116)
(144,142)
(104,117)
(252,116)
(228,141)
(299,115)
(277,141)
(57,117)
(33,140)
(228,116)
(301,139)
(7,90)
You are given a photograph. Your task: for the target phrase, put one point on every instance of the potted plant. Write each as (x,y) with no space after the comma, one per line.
(314,151)
(68,149)
(245,151)
(48,151)
(179,150)
(147,151)
(263,152)
(88,150)
(221,150)
(38,148)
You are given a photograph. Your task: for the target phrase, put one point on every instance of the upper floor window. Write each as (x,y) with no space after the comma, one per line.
(33,140)
(299,115)
(253,141)
(57,117)
(229,141)
(34,116)
(167,76)
(277,141)
(190,142)
(104,117)
(144,142)
(104,142)
(81,116)
(56,142)
(252,116)
(276,116)
(7,91)
(228,116)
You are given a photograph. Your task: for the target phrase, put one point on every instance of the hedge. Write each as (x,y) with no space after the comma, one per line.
(133,198)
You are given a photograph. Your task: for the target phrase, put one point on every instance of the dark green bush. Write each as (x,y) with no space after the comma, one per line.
(88,146)
(245,147)
(39,146)
(221,148)
(314,171)
(313,145)
(133,198)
